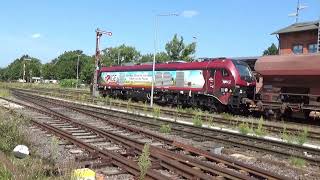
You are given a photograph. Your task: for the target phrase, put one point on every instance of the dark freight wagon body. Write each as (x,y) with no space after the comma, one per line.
(214,83)
(291,83)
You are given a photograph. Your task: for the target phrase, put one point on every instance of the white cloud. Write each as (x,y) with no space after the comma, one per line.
(36,35)
(189,13)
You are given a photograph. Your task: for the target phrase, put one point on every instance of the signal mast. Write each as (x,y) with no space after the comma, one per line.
(99,33)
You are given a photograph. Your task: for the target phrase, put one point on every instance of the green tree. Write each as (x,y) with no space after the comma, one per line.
(272,50)
(65,66)
(3,74)
(33,68)
(160,57)
(14,71)
(121,54)
(178,50)
(146,58)
(48,71)
(86,74)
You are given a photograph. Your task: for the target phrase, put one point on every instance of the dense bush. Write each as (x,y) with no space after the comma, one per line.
(10,135)
(68,83)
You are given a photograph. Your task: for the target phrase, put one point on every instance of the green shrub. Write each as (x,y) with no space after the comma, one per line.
(196,119)
(210,122)
(260,131)
(68,83)
(285,135)
(302,136)
(244,128)
(10,135)
(180,110)
(298,162)
(165,128)
(156,112)
(144,161)
(227,116)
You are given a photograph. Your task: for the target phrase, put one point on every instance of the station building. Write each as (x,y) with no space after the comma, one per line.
(299,38)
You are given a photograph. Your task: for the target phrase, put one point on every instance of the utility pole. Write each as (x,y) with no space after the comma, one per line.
(30,73)
(318,48)
(155,52)
(24,68)
(99,33)
(118,57)
(78,71)
(195,41)
(24,71)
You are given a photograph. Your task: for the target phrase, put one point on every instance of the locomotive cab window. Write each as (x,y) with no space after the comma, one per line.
(225,73)
(212,72)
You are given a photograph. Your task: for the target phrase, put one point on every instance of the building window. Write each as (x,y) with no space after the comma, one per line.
(297,49)
(312,48)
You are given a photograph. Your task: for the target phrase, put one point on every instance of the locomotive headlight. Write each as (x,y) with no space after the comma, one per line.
(225,90)
(240,91)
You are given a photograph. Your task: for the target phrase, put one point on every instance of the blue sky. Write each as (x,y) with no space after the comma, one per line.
(232,28)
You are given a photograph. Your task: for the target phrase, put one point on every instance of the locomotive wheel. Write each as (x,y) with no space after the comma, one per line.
(213,108)
(277,115)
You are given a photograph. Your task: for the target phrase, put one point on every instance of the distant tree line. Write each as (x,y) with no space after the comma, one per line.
(65,65)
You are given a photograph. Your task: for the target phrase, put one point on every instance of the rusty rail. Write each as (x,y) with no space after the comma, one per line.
(253,171)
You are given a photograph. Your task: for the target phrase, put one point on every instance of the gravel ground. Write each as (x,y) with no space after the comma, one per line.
(266,162)
(45,145)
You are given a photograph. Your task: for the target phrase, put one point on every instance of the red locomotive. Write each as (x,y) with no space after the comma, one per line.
(291,85)
(213,84)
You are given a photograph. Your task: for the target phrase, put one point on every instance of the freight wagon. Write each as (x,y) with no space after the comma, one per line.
(291,85)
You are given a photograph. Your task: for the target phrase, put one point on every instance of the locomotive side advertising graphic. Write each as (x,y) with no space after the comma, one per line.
(186,78)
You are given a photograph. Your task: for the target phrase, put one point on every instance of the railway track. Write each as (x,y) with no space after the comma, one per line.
(272,127)
(164,158)
(199,134)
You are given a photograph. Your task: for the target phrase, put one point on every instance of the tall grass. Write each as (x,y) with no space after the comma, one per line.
(5,174)
(260,130)
(31,167)
(10,134)
(144,161)
(4,92)
(197,119)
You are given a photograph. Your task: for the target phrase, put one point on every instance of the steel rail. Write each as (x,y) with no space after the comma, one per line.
(290,126)
(242,144)
(203,153)
(119,161)
(170,163)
